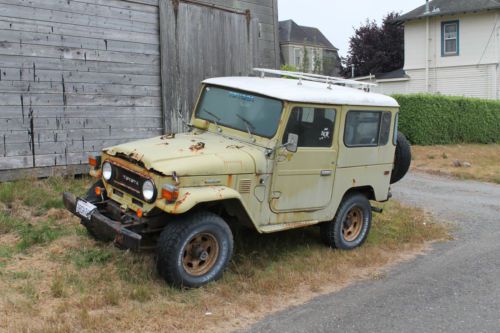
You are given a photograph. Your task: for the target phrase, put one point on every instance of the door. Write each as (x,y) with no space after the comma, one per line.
(303,180)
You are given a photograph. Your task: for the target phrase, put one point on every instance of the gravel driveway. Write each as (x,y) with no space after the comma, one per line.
(454,288)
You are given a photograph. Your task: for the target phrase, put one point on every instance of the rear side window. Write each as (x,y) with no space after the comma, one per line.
(367,128)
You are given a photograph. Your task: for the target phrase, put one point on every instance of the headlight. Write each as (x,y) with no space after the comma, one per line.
(107,171)
(148,190)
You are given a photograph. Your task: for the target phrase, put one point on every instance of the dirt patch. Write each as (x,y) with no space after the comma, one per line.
(478,162)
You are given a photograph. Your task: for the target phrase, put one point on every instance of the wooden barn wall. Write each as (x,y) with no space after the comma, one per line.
(75,76)
(209,38)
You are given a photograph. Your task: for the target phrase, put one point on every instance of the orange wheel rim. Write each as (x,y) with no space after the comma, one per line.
(353,224)
(200,254)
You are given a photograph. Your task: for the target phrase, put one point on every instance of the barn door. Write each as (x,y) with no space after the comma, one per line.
(199,41)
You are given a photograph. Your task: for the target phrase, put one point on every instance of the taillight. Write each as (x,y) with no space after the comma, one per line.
(170,192)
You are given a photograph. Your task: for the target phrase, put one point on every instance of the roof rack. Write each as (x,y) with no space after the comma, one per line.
(329,80)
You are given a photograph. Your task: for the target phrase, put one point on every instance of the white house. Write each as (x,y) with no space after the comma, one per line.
(452,47)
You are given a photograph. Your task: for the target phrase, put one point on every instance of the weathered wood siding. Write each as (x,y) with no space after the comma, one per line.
(209,38)
(79,75)
(75,76)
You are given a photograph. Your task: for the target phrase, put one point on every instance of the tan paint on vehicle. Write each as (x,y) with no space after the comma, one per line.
(281,191)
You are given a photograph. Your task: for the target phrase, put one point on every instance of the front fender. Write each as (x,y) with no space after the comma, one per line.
(189,197)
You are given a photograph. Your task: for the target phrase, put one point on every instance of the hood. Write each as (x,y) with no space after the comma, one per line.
(193,154)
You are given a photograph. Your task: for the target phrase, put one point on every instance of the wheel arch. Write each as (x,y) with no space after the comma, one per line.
(367,191)
(218,199)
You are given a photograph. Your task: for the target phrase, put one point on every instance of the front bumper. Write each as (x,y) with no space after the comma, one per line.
(105,227)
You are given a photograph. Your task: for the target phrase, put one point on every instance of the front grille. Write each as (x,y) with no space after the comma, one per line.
(128,181)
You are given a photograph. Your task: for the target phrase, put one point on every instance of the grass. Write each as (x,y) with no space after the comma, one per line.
(54,278)
(484,161)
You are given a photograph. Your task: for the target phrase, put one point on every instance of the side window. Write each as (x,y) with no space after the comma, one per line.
(314,126)
(385,128)
(367,128)
(395,135)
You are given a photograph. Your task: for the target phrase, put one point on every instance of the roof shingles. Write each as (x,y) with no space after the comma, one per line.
(291,32)
(450,7)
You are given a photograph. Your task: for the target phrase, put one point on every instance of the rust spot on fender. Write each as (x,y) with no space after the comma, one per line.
(230,180)
(197,147)
(180,201)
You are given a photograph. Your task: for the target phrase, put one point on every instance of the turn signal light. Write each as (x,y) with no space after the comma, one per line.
(170,192)
(95,161)
(98,191)
(139,213)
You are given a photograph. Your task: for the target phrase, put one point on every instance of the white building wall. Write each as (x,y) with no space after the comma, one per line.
(473,73)
(477,38)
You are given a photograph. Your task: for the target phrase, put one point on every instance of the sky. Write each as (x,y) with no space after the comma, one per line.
(338,18)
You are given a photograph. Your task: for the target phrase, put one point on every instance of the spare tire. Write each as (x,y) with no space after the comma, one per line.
(402,159)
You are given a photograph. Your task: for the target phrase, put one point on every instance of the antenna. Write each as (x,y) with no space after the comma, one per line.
(329,80)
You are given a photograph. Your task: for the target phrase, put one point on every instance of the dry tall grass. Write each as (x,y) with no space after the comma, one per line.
(54,278)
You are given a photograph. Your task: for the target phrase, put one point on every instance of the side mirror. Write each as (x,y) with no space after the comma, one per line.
(292,143)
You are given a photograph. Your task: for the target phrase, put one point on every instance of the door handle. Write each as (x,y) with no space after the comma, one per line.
(326,172)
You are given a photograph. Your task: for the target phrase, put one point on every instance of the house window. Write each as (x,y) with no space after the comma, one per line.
(449,38)
(297,57)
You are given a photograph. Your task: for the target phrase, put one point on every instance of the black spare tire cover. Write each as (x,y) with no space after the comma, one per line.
(402,159)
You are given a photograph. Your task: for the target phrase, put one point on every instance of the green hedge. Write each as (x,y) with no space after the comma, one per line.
(433,119)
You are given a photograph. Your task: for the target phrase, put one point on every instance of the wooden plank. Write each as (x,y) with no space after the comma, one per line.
(34,173)
(78,111)
(72,7)
(70,99)
(20,49)
(60,123)
(62,77)
(24,87)
(17,63)
(50,135)
(147,6)
(61,147)
(63,41)
(63,29)
(50,160)
(23,12)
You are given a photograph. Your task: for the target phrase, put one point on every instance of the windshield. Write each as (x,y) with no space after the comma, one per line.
(240,110)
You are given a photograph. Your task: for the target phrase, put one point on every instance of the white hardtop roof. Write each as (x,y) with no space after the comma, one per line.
(304,91)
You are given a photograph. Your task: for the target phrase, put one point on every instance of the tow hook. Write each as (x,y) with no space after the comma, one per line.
(377,210)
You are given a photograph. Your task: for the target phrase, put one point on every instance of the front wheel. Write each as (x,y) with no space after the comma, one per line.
(194,250)
(351,225)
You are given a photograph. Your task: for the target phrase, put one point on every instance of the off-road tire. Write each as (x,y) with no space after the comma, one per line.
(175,239)
(91,197)
(332,232)
(402,159)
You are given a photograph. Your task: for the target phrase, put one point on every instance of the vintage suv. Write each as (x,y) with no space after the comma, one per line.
(262,152)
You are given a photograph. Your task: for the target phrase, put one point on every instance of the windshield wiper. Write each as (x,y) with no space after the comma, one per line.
(248,125)
(215,118)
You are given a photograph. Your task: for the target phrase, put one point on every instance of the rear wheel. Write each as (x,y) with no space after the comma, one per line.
(351,225)
(194,250)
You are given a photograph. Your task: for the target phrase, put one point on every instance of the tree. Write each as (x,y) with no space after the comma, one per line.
(376,49)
